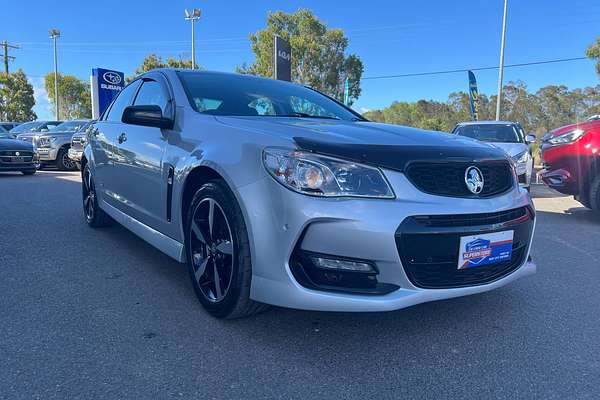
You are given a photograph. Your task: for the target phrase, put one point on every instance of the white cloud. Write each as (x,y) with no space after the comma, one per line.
(364,110)
(43,107)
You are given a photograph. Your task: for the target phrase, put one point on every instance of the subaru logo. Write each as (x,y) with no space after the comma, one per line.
(112,77)
(474,180)
(17,153)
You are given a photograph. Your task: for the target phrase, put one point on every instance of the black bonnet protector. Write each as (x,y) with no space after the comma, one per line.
(397,157)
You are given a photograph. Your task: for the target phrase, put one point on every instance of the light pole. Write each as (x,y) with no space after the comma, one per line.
(55,34)
(501,70)
(193,17)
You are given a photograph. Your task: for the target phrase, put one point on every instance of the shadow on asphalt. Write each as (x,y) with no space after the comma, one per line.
(541,191)
(38,174)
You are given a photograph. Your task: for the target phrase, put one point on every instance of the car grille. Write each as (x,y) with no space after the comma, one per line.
(11,157)
(428,247)
(77,142)
(448,179)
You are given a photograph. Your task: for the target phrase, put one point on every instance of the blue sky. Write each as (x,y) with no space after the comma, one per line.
(391,37)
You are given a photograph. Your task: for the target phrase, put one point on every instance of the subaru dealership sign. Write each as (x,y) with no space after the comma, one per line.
(106,85)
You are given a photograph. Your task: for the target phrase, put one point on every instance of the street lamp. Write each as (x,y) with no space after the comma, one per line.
(501,71)
(55,34)
(193,16)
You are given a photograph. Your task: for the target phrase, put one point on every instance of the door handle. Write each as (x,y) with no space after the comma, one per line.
(122,138)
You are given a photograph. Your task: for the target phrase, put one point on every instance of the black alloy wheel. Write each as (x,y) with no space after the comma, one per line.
(212,249)
(94,215)
(218,253)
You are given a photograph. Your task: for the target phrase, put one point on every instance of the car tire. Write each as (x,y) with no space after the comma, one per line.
(218,253)
(30,172)
(594,198)
(63,162)
(93,214)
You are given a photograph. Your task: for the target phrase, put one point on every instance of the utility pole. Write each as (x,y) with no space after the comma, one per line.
(193,17)
(501,69)
(6,57)
(55,34)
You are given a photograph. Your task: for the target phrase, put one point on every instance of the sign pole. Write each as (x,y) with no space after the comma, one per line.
(501,71)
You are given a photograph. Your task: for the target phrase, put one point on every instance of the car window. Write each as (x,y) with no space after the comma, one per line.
(494,133)
(71,126)
(203,104)
(26,127)
(305,106)
(123,100)
(152,93)
(242,95)
(263,106)
(51,126)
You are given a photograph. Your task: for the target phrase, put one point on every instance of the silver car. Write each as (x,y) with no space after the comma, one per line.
(274,193)
(508,136)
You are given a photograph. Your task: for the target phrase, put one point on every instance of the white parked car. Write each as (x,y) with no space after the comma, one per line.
(510,137)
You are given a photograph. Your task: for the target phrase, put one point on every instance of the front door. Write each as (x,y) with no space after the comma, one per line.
(103,145)
(140,173)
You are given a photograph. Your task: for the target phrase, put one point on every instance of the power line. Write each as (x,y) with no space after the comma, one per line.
(454,71)
(5,56)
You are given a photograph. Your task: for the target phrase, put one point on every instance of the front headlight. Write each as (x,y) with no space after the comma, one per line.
(317,175)
(520,161)
(46,141)
(568,137)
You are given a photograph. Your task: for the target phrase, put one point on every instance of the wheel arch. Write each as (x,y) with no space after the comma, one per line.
(198,176)
(193,181)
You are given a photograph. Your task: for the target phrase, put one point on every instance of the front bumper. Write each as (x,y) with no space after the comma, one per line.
(560,180)
(281,222)
(47,154)
(75,154)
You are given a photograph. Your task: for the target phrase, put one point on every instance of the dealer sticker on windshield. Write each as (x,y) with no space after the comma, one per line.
(489,248)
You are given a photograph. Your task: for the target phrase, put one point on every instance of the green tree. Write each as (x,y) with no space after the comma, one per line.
(74,98)
(153,61)
(16,97)
(318,53)
(593,52)
(548,108)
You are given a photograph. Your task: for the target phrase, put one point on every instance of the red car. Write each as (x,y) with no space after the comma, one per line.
(571,157)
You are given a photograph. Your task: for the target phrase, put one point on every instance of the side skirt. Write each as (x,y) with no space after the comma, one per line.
(167,245)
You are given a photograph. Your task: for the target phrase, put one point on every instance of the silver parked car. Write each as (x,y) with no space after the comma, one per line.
(510,137)
(78,141)
(274,193)
(53,145)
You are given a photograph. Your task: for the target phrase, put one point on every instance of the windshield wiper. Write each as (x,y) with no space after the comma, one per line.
(304,115)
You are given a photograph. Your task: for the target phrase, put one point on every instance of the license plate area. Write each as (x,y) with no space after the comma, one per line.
(485,249)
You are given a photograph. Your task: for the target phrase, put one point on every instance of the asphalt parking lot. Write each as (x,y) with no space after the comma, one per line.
(100,314)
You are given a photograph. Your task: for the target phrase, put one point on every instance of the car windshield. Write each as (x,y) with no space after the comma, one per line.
(243,95)
(495,133)
(26,127)
(69,126)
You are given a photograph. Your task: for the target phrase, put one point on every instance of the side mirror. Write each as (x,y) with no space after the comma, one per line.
(150,115)
(530,139)
(44,130)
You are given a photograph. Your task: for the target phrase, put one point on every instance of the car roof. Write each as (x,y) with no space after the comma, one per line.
(211,73)
(487,123)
